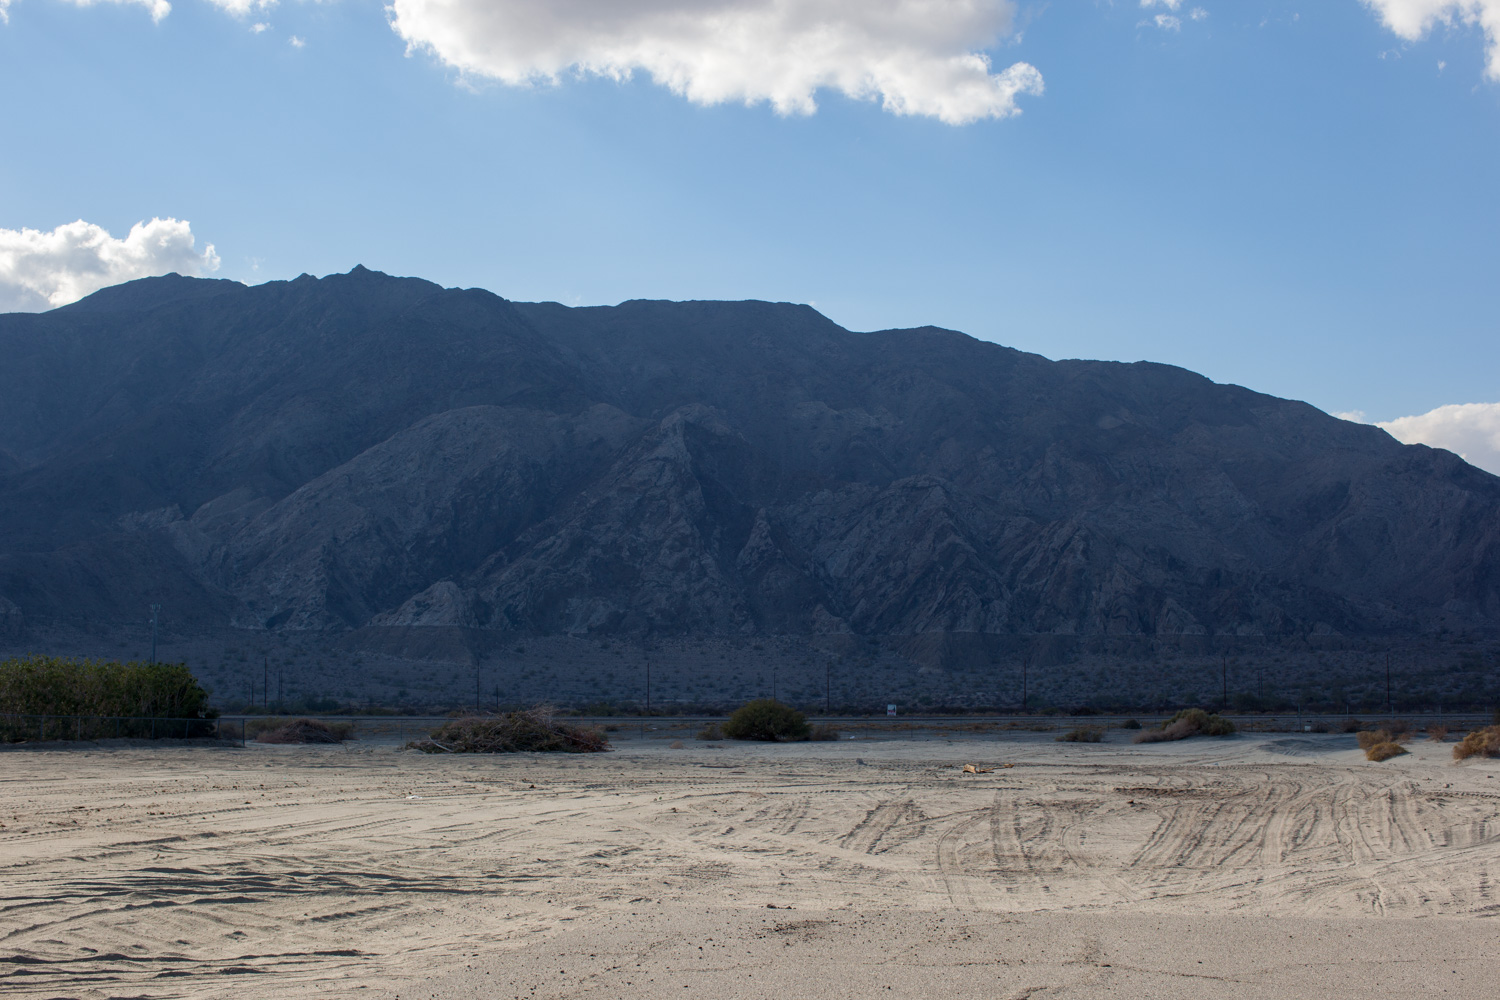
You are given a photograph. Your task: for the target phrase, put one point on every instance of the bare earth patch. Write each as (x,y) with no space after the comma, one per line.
(775,870)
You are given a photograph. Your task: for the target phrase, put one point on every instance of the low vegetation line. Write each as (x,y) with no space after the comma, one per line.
(101,698)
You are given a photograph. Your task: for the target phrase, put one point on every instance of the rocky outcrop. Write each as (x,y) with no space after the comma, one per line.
(371,453)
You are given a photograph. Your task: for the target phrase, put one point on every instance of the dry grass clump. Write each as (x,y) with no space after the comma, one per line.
(710,732)
(1372,737)
(1479,743)
(1188,722)
(1081,734)
(1436,733)
(1399,729)
(823,732)
(300,731)
(1384,751)
(530,731)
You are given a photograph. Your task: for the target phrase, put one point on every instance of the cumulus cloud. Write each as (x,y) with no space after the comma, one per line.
(42,270)
(917,57)
(1413,19)
(1469,430)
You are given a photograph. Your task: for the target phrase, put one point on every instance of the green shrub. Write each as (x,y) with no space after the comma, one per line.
(50,685)
(1186,723)
(767,720)
(1081,734)
(1130,724)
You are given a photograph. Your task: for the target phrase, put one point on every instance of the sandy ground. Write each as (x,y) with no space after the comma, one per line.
(1259,866)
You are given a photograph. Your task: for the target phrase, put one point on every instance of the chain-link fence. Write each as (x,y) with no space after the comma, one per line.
(386,730)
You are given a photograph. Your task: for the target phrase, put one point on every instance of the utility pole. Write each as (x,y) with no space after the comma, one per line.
(155,613)
(280,689)
(1390,706)
(827,686)
(773,682)
(265,683)
(1224,674)
(478,698)
(1025,662)
(648,685)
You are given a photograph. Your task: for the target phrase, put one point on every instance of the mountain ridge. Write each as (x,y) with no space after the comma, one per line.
(364,452)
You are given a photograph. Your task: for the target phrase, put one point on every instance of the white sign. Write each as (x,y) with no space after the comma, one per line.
(890,710)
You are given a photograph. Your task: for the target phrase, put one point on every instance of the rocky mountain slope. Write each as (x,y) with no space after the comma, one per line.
(371,455)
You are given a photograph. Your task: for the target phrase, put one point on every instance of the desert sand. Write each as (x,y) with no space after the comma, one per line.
(1256,866)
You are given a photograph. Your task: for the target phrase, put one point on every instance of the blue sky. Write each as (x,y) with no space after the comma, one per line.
(1288,196)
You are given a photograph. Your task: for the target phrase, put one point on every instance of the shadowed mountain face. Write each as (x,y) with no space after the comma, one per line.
(366,452)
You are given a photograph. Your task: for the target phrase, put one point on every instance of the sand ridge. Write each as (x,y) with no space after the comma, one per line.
(277,871)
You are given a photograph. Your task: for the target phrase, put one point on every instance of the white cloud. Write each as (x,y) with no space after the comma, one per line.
(161,8)
(158,8)
(41,270)
(1170,21)
(296,42)
(917,57)
(1413,19)
(258,27)
(4,11)
(242,8)
(1469,430)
